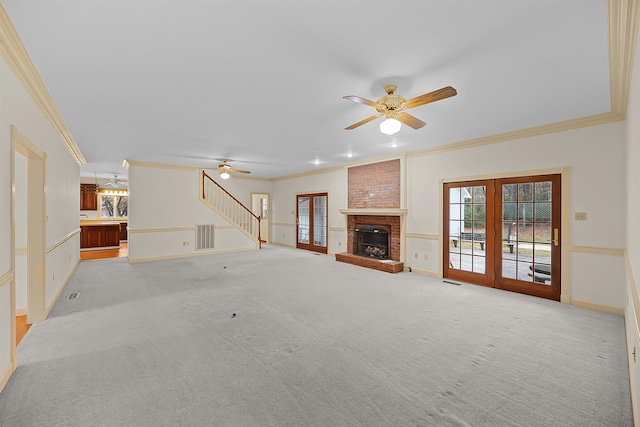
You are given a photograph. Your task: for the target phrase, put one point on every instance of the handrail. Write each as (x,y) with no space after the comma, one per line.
(242,219)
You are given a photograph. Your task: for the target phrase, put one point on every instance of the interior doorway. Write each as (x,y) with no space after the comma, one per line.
(505,233)
(260,206)
(35,223)
(312,222)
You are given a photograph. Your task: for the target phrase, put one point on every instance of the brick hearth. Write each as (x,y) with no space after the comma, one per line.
(389,266)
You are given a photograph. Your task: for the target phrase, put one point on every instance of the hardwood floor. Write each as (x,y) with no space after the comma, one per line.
(106,253)
(21,328)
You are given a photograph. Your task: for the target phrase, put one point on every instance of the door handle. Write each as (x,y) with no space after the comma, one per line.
(555,237)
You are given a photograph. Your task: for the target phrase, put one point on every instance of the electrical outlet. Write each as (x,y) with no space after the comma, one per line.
(581,216)
(426,256)
(415,254)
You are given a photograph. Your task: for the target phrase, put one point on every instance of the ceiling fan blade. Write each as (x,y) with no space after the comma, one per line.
(361,100)
(361,122)
(238,171)
(436,95)
(411,121)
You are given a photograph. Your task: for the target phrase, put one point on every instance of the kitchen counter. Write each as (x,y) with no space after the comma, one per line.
(101,234)
(102,221)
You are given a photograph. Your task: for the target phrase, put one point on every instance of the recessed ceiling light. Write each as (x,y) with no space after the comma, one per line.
(350,154)
(394,144)
(316,162)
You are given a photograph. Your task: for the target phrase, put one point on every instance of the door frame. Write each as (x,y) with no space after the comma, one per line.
(565,206)
(310,246)
(36,224)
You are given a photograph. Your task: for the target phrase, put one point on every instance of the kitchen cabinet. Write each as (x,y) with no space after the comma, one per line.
(100,235)
(123,231)
(88,197)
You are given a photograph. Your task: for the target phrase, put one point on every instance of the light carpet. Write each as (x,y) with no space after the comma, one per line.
(314,342)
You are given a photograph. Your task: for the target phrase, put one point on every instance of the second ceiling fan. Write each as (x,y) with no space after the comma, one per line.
(225,170)
(391,106)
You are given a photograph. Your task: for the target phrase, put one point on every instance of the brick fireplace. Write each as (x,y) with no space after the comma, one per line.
(374,200)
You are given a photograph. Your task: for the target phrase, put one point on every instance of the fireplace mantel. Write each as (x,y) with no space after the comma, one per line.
(379,212)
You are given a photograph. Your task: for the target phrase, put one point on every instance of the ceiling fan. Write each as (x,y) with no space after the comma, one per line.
(225,170)
(115,183)
(392,105)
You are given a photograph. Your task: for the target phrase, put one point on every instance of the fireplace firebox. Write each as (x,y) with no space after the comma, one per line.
(371,241)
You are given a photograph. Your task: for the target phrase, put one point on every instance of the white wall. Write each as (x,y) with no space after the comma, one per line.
(62,173)
(632,309)
(165,206)
(595,158)
(283,206)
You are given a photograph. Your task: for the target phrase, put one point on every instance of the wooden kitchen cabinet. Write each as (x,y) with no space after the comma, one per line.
(100,235)
(88,197)
(123,231)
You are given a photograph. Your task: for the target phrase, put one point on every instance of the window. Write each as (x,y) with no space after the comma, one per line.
(114,204)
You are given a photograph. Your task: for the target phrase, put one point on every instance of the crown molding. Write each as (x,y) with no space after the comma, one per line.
(128,163)
(308,173)
(624,16)
(566,125)
(17,58)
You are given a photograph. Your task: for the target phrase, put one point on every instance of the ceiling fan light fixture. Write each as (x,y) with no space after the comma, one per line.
(390,126)
(224,175)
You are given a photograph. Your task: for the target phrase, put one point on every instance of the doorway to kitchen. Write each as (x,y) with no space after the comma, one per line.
(505,233)
(311,222)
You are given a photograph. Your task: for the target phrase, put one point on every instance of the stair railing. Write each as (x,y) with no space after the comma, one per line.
(230,207)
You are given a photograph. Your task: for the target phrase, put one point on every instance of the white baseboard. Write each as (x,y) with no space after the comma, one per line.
(4,378)
(66,280)
(598,307)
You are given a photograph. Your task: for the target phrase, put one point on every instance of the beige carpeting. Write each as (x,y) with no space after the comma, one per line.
(313,342)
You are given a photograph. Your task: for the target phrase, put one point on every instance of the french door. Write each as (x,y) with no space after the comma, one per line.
(505,233)
(311,222)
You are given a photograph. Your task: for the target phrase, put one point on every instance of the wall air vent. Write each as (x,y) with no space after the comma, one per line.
(204,236)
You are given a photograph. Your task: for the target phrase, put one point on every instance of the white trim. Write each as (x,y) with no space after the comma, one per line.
(424,236)
(424,272)
(597,250)
(4,378)
(129,163)
(62,241)
(159,230)
(55,298)
(376,212)
(598,307)
(283,224)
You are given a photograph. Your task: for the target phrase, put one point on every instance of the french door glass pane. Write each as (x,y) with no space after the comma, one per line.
(303,220)
(527,232)
(320,221)
(467,227)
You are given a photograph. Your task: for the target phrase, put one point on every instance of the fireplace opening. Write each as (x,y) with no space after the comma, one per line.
(371,241)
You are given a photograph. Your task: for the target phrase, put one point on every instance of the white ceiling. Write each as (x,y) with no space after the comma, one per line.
(261,82)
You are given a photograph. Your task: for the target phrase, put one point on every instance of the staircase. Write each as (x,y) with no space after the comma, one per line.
(227,206)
